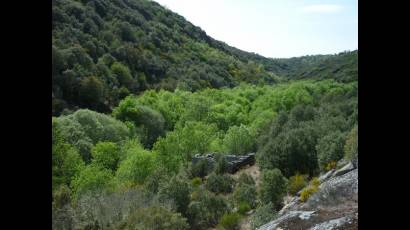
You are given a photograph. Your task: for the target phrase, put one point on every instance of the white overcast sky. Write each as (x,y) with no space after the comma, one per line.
(275,28)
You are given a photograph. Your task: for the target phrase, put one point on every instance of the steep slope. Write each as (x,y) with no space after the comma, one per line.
(104,50)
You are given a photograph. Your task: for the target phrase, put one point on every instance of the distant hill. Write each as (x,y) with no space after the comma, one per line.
(104,50)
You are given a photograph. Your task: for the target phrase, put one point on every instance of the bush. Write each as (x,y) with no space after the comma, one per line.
(196,181)
(220,183)
(245,193)
(155,218)
(308,191)
(238,140)
(61,196)
(273,187)
(154,180)
(137,165)
(263,215)
(221,166)
(106,155)
(243,208)
(176,190)
(206,210)
(351,145)
(230,221)
(245,178)
(330,148)
(91,179)
(200,168)
(331,165)
(296,183)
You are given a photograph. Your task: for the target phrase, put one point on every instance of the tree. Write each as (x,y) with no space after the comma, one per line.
(238,140)
(106,155)
(178,191)
(137,166)
(351,150)
(92,179)
(122,73)
(91,92)
(330,148)
(273,187)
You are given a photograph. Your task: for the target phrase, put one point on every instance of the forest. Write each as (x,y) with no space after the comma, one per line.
(137,91)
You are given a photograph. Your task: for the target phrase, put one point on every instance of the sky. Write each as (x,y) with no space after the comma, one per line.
(275,28)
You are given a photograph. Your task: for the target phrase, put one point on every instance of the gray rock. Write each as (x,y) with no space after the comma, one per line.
(292,214)
(331,224)
(345,169)
(326,176)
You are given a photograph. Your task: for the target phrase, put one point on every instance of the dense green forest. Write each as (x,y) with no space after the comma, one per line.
(104,50)
(137,91)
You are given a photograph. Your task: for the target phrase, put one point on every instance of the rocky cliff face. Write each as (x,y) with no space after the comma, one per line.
(333,206)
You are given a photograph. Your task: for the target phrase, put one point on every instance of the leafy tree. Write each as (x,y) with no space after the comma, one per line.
(178,191)
(273,187)
(91,92)
(137,166)
(220,183)
(351,146)
(91,179)
(330,148)
(106,155)
(238,140)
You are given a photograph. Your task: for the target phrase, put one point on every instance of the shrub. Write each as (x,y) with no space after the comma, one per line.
(154,180)
(262,215)
(330,148)
(61,196)
(238,140)
(221,166)
(106,155)
(91,179)
(155,218)
(230,221)
(245,193)
(200,168)
(245,178)
(196,181)
(220,183)
(331,165)
(296,183)
(243,207)
(308,191)
(273,187)
(351,145)
(206,210)
(176,190)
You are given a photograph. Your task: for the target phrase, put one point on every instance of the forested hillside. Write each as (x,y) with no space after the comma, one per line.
(138,91)
(105,50)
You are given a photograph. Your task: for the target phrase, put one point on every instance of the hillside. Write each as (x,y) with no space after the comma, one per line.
(104,50)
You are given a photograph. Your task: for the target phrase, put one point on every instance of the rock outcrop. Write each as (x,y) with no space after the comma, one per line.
(333,206)
(234,162)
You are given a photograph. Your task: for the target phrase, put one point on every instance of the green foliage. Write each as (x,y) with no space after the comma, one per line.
(181,144)
(200,169)
(246,179)
(244,207)
(273,187)
(149,123)
(196,181)
(308,191)
(61,196)
(92,179)
(176,190)
(66,161)
(351,146)
(221,166)
(262,215)
(153,181)
(245,193)
(155,218)
(106,155)
(206,210)
(238,140)
(230,221)
(220,183)
(137,165)
(296,183)
(330,148)
(84,128)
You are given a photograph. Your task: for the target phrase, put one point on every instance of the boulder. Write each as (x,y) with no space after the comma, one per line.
(345,169)
(326,176)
